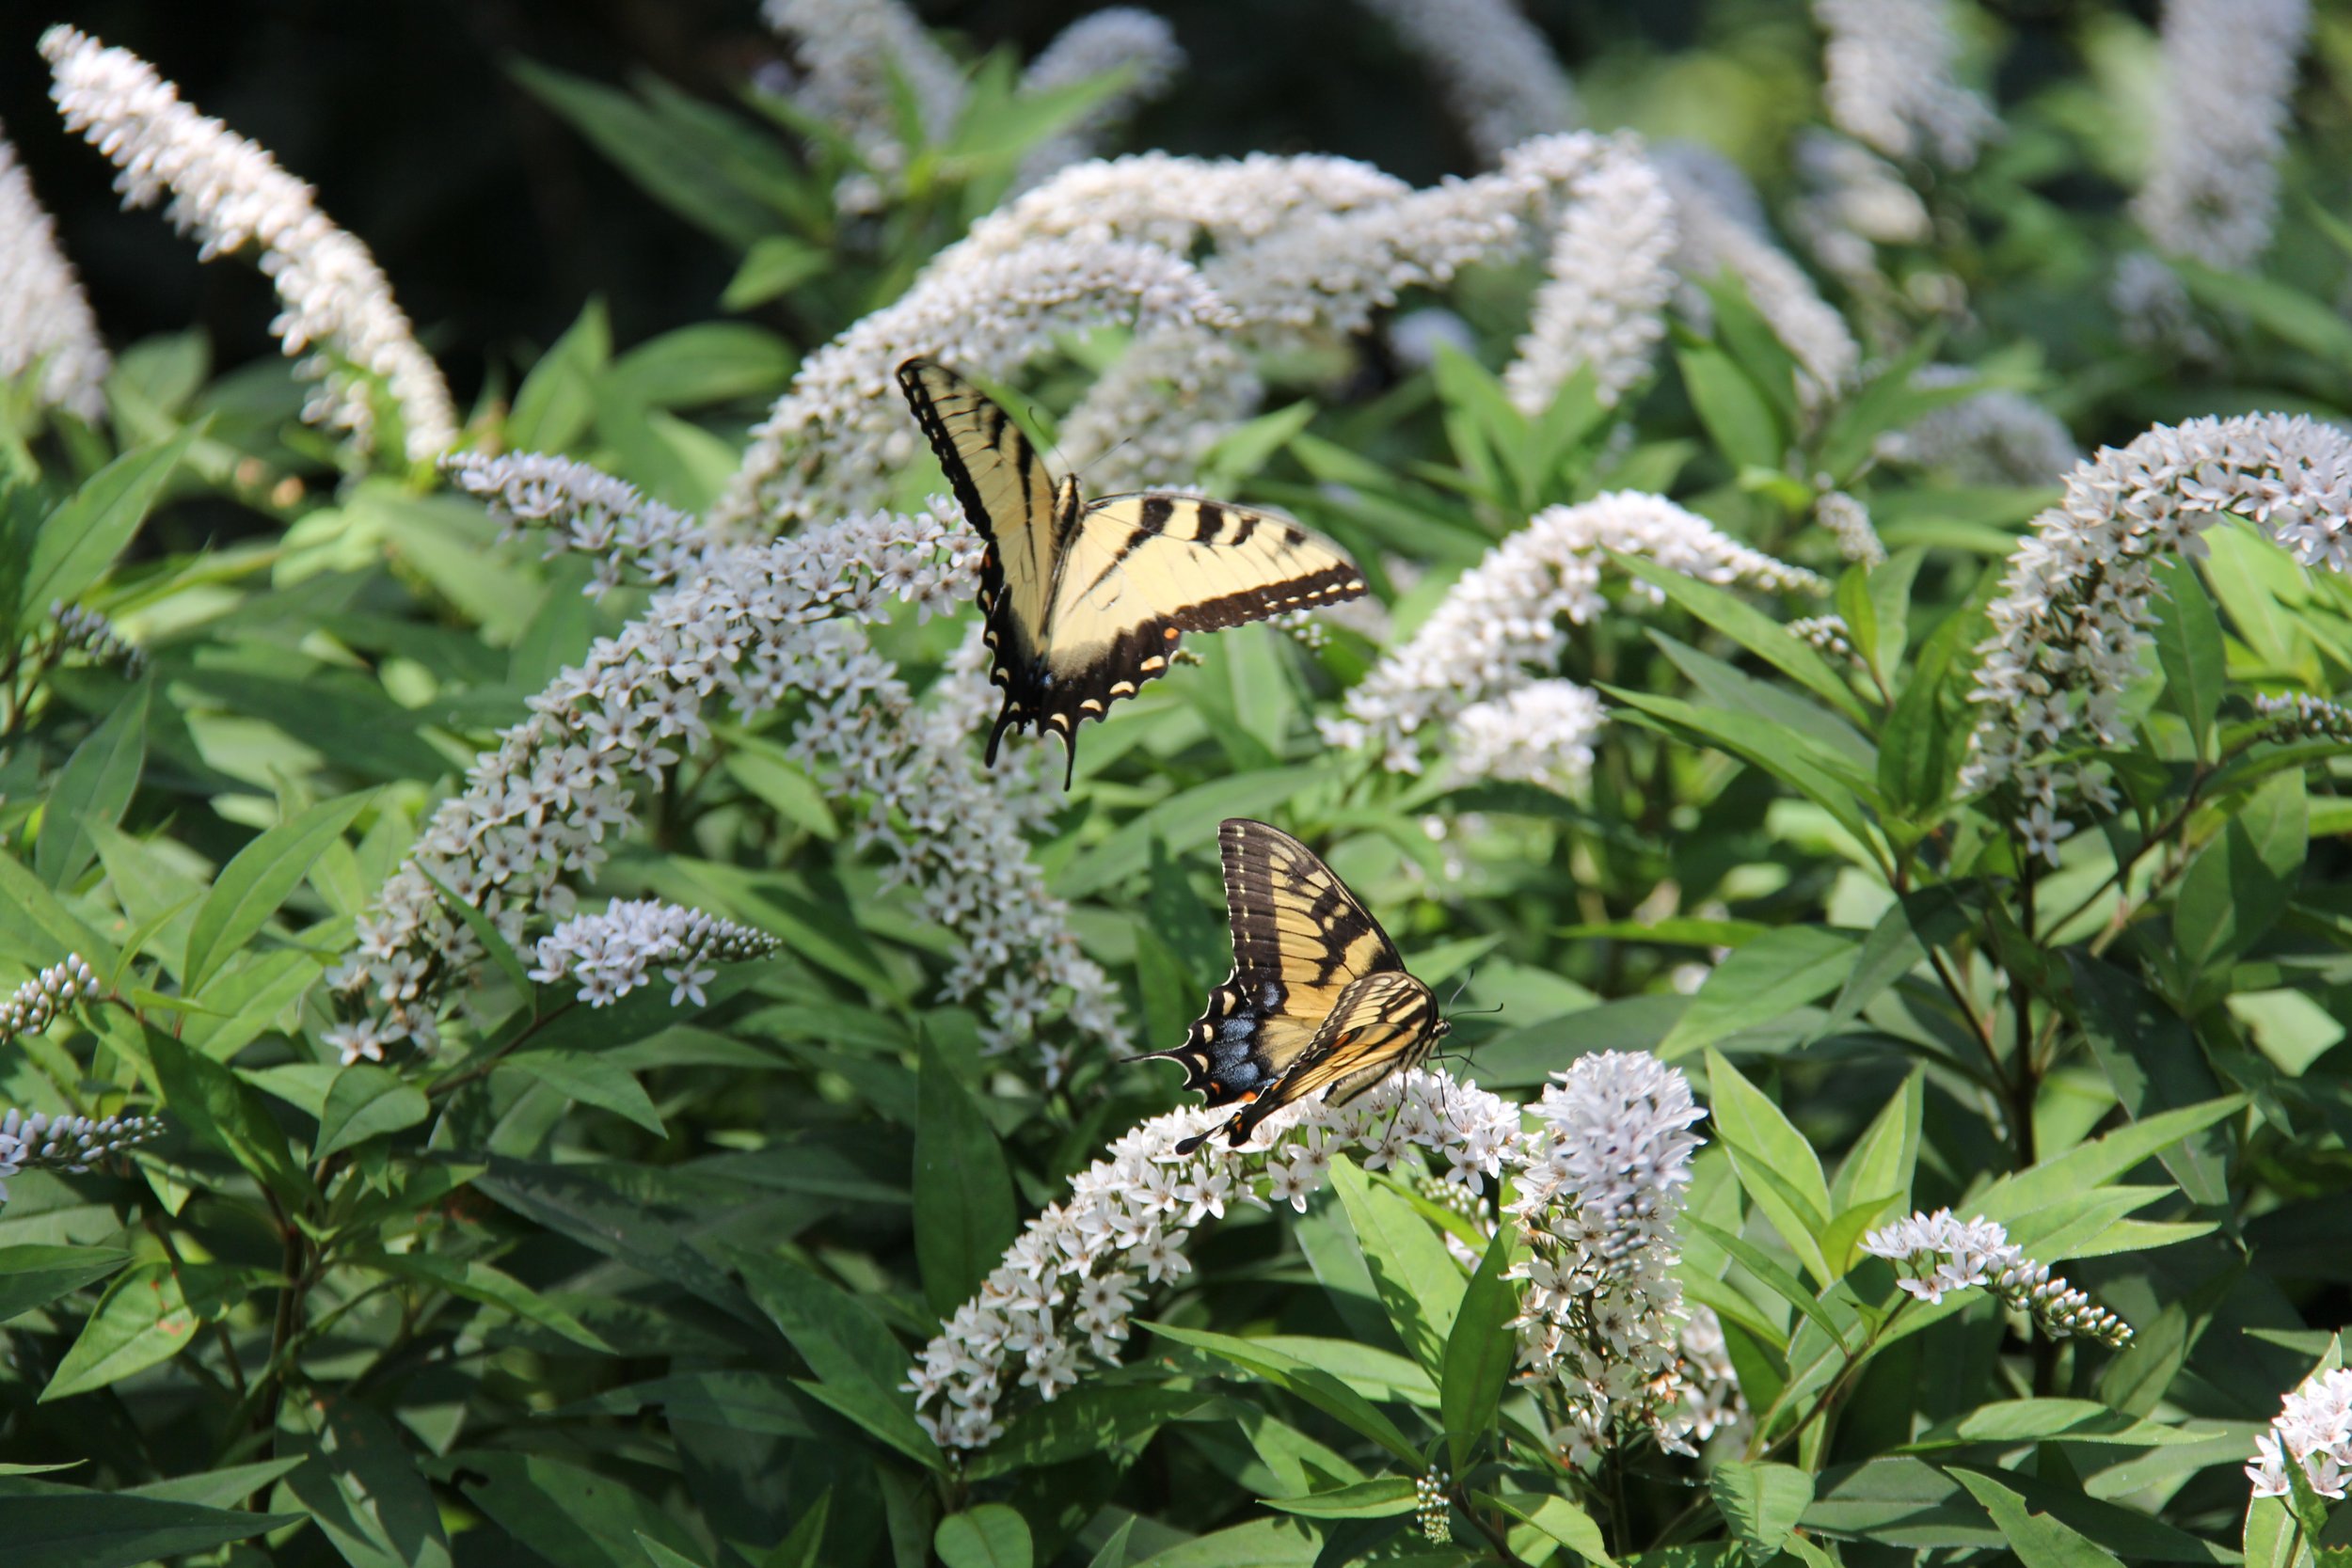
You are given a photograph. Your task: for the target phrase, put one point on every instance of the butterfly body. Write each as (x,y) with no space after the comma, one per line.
(1087,601)
(1318,1000)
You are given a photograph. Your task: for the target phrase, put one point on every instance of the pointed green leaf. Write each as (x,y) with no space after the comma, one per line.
(590,1080)
(1419,1281)
(1761,1503)
(1758,981)
(964,1212)
(82,537)
(93,791)
(1480,1351)
(2039,1540)
(257,879)
(1311,1384)
(989,1536)
(34,1276)
(366,1102)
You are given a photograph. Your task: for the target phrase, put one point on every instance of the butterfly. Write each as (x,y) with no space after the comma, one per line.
(1318,997)
(1085,600)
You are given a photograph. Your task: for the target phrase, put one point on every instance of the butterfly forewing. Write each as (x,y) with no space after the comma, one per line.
(1384,1024)
(1303,946)
(1084,602)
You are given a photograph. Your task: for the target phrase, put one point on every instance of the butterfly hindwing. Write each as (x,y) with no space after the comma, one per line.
(1085,602)
(1305,952)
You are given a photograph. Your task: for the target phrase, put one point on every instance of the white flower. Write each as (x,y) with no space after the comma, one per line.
(1496,73)
(2073,616)
(40,1141)
(1849,522)
(610,954)
(1889,64)
(849,50)
(1603,304)
(585,510)
(2313,1428)
(1541,732)
(230,192)
(1994,437)
(1935,1255)
(45,319)
(1501,621)
(2212,189)
(36,1003)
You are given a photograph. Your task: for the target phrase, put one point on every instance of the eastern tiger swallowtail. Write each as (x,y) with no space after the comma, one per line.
(1085,600)
(1318,996)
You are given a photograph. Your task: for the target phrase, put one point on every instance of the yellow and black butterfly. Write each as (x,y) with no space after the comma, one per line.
(1085,600)
(1318,997)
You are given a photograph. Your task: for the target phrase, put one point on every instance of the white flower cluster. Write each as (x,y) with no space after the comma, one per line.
(1889,64)
(1603,302)
(584,511)
(1294,252)
(2074,607)
(754,625)
(1599,1187)
(1151,418)
(852,54)
(45,319)
(2304,717)
(841,432)
(1541,732)
(36,1003)
(1125,39)
(2313,1428)
(1854,202)
(1719,235)
(1936,1254)
(1431,1513)
(1711,1399)
(87,632)
(1826,634)
(610,954)
(1994,437)
(1495,69)
(74,1144)
(1849,522)
(1503,620)
(1068,1286)
(2212,190)
(230,193)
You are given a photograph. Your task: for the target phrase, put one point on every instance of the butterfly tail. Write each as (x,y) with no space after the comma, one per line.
(1004,722)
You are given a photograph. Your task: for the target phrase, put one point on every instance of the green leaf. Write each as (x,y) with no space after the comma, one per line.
(2039,1540)
(763,769)
(708,362)
(494,944)
(1735,412)
(1764,745)
(36,1275)
(659,151)
(93,791)
(1764,1143)
(1311,1384)
(775,265)
(2153,1062)
(1886,1156)
(224,1111)
(148,1316)
(361,1483)
(258,879)
(2242,880)
(1771,1276)
(1560,1519)
(78,540)
(590,1080)
(964,1212)
(1381,1497)
(1418,1280)
(570,1515)
(989,1536)
(1479,1353)
(558,398)
(2280,309)
(1754,630)
(2036,1421)
(1782,969)
(2085,1166)
(661,1556)
(857,1361)
(1761,1503)
(475,1280)
(63,1527)
(367,1101)
(1090,1419)
(2188,643)
(799,1548)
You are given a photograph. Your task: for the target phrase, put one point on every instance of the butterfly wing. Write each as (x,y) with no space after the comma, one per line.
(1010,497)
(1300,938)
(1140,571)
(1384,1024)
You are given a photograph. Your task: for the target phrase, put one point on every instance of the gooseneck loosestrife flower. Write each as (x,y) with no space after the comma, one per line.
(584,511)
(2303,717)
(2313,1430)
(36,1003)
(749,626)
(1495,69)
(1500,624)
(73,1143)
(1935,1255)
(610,954)
(1599,1181)
(1995,436)
(1139,44)
(2212,190)
(45,319)
(1889,64)
(230,194)
(93,636)
(2076,606)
